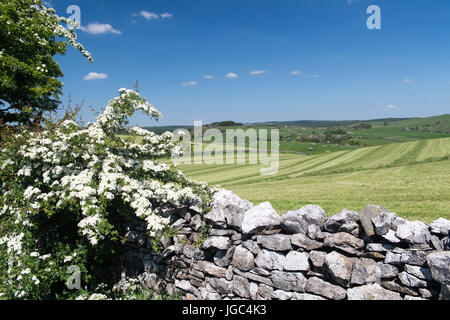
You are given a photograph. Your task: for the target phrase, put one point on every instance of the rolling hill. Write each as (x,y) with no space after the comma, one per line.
(412,179)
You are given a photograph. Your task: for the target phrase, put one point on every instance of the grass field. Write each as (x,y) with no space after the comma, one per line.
(412,179)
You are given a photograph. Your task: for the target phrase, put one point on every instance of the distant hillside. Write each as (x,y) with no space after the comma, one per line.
(329,123)
(162,129)
(437,124)
(430,124)
(225,124)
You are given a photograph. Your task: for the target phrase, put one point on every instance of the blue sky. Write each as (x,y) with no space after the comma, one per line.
(285,60)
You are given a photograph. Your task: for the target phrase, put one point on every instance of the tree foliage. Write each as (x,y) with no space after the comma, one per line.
(31,35)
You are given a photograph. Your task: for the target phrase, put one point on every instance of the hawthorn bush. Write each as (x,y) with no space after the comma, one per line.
(65,190)
(31,35)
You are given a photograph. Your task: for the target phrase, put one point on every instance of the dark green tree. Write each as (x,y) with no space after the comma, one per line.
(31,35)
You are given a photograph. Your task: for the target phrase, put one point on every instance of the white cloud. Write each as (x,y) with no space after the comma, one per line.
(99,28)
(407,80)
(207,76)
(391,106)
(296,72)
(231,75)
(148,15)
(255,72)
(189,84)
(95,76)
(166,15)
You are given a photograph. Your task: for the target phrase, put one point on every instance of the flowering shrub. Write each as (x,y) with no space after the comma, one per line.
(66,188)
(31,35)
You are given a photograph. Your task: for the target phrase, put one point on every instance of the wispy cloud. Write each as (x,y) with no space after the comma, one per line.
(313,76)
(95,76)
(189,84)
(256,72)
(207,76)
(296,72)
(153,16)
(166,15)
(391,106)
(149,15)
(100,28)
(231,75)
(407,80)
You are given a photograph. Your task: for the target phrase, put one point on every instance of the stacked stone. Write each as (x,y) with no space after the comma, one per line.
(254,253)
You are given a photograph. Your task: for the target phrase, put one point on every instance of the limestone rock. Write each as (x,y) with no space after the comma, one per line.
(367,214)
(265,291)
(317,258)
(445,292)
(398,287)
(261,217)
(297,261)
(306,296)
(254,277)
(216,218)
(334,223)
(428,293)
(270,260)
(379,247)
(325,289)
(241,286)
(252,246)
(196,222)
(412,232)
(288,281)
(440,226)
(345,242)
(385,271)
(206,295)
(372,292)
(439,263)
(350,227)
(314,232)
(220,285)
(211,269)
(414,257)
(419,272)
(413,298)
(393,258)
(302,241)
(276,242)
(338,267)
(384,222)
(216,243)
(253,290)
(281,295)
(298,221)
(243,259)
(411,281)
(391,237)
(187,286)
(223,257)
(228,209)
(363,271)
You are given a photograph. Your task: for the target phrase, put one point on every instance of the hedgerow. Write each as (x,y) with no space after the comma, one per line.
(66,190)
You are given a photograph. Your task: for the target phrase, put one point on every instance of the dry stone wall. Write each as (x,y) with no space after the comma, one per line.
(242,251)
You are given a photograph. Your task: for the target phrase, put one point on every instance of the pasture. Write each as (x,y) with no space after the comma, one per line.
(412,179)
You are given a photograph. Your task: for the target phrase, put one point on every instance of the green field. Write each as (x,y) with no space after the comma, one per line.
(412,179)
